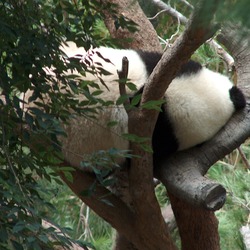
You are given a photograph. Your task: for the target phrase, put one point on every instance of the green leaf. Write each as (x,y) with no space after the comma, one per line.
(131,86)
(108,182)
(3,234)
(135,100)
(88,192)
(107,202)
(156,105)
(146,148)
(44,238)
(67,171)
(97,92)
(122,99)
(20,226)
(16,245)
(29,119)
(31,239)
(33,227)
(135,138)
(112,123)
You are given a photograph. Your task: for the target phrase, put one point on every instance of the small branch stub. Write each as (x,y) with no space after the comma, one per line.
(123,75)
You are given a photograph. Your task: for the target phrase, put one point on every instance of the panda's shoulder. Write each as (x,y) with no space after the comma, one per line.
(189,68)
(150,59)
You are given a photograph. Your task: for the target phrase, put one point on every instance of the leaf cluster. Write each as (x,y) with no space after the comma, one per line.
(31,33)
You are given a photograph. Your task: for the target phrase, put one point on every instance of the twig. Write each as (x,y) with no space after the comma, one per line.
(84,220)
(244,158)
(176,32)
(167,8)
(188,4)
(180,17)
(222,53)
(156,15)
(123,75)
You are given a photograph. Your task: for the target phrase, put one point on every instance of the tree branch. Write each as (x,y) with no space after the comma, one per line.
(130,10)
(123,75)
(172,12)
(141,170)
(188,167)
(198,30)
(103,202)
(183,20)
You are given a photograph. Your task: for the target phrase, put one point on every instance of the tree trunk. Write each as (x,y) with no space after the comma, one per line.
(121,243)
(145,38)
(198,228)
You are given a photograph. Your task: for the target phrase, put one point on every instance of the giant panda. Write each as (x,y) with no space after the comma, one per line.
(198,103)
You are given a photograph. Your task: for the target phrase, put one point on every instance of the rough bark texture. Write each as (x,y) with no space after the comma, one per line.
(141,169)
(182,177)
(145,38)
(198,227)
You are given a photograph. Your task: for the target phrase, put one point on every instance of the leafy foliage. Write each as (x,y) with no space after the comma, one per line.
(30,36)
(233,175)
(31,33)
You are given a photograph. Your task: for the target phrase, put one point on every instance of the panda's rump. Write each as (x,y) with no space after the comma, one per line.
(198,107)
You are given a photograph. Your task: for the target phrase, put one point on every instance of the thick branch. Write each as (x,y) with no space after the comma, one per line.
(103,202)
(174,13)
(131,10)
(159,80)
(141,171)
(198,228)
(116,212)
(199,30)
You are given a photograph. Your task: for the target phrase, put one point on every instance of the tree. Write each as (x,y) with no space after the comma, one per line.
(142,226)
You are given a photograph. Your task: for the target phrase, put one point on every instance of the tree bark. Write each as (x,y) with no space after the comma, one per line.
(134,231)
(198,228)
(141,168)
(145,38)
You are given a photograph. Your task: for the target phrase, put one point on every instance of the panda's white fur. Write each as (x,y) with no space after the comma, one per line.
(197,105)
(137,69)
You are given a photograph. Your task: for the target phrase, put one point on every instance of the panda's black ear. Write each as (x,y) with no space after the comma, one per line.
(237,98)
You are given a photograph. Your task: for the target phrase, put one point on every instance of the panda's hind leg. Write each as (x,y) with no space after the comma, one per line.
(237,98)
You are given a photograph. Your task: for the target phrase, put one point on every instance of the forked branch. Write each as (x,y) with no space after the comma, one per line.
(183,174)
